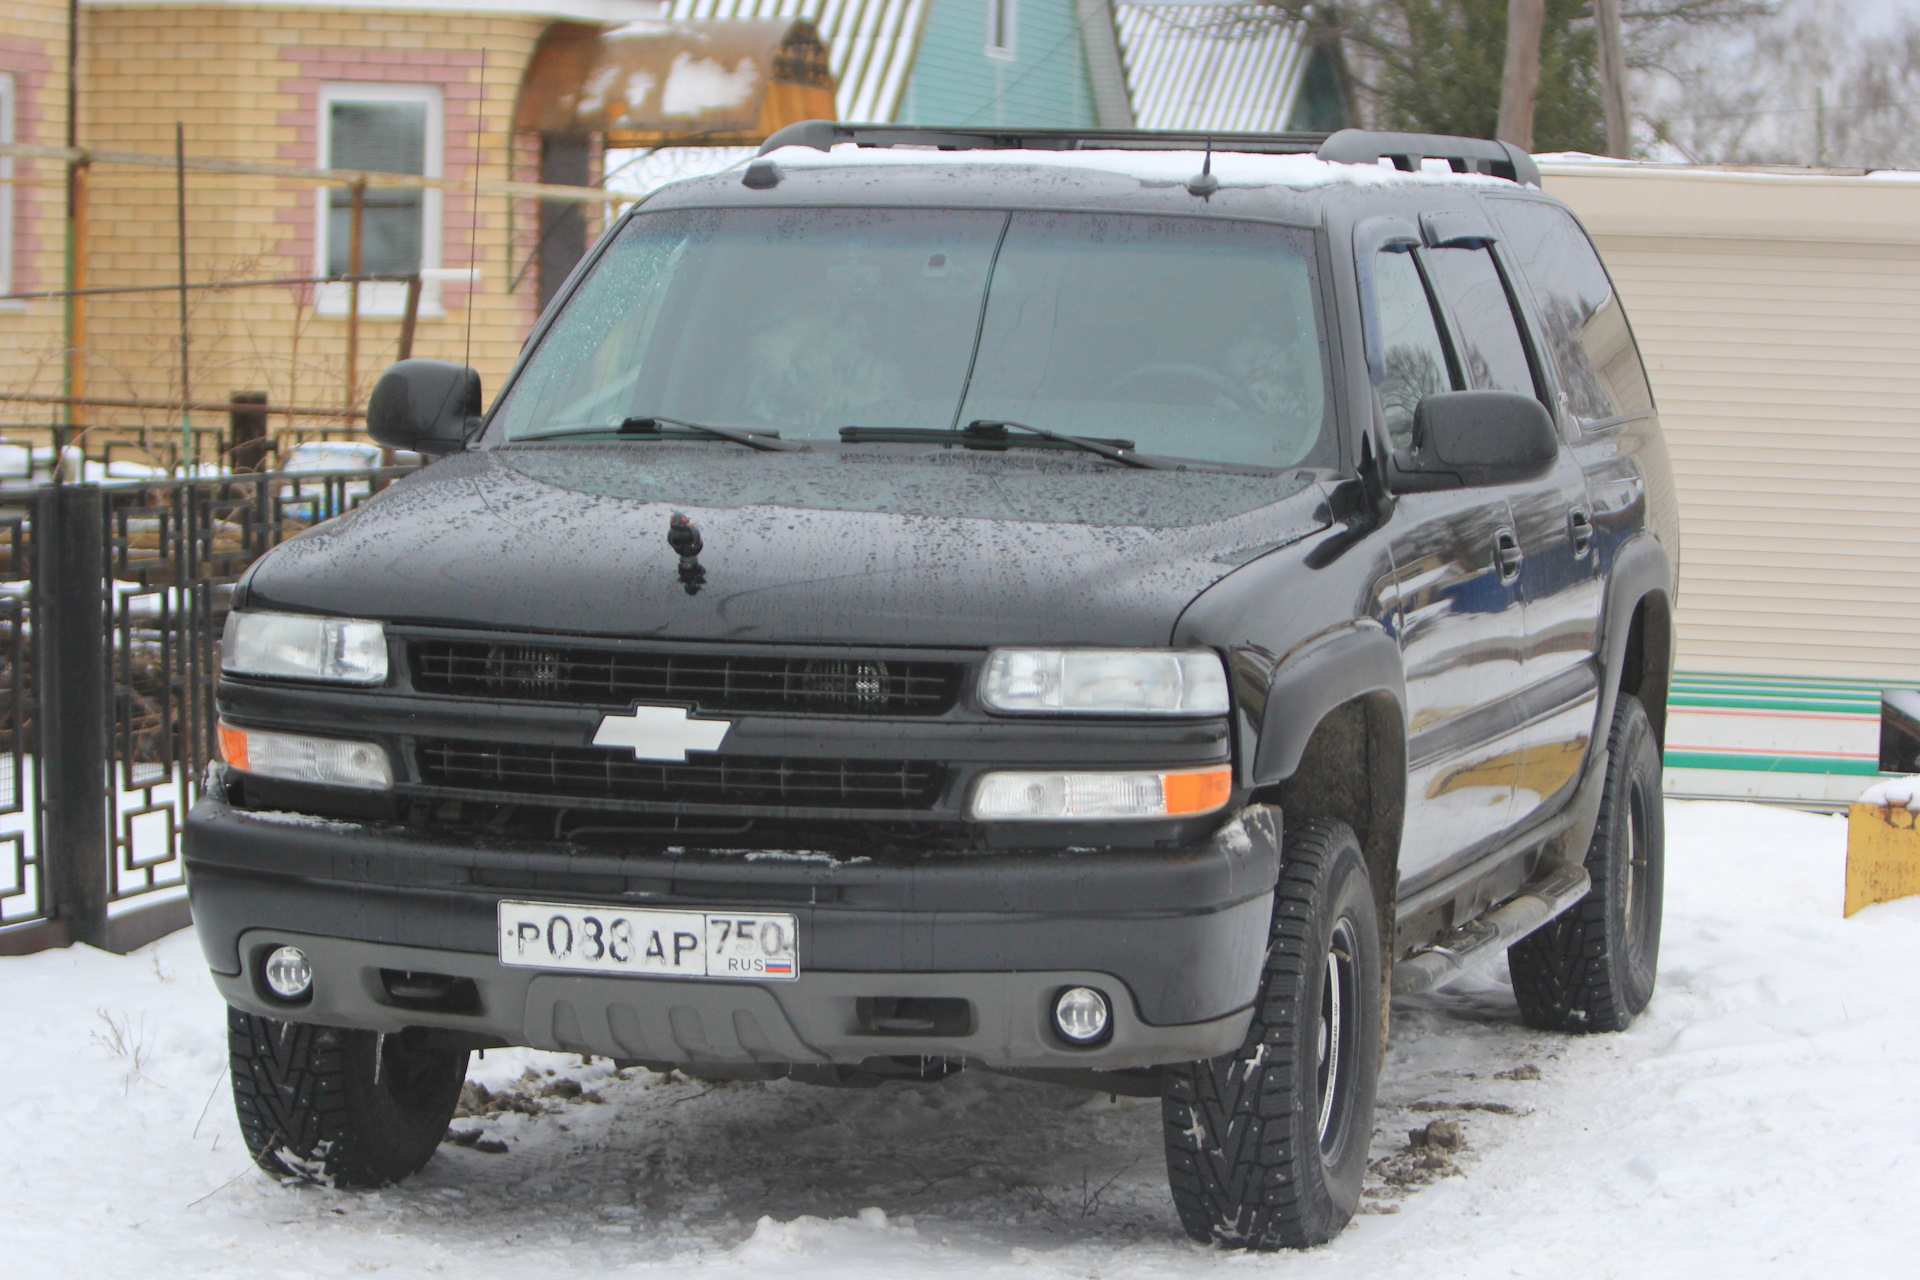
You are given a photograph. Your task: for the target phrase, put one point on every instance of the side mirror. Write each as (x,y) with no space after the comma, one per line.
(428,406)
(1466,439)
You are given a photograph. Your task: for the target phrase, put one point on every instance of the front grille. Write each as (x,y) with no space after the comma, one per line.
(711,682)
(611,774)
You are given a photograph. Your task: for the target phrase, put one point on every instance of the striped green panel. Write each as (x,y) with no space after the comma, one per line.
(1769,764)
(1775,693)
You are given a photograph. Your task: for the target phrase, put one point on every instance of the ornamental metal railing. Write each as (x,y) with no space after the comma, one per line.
(112,602)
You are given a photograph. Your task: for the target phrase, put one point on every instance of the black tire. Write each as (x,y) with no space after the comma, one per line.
(1593,968)
(352,1108)
(1267,1147)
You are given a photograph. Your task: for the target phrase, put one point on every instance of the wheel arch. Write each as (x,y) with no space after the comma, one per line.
(1333,744)
(1637,636)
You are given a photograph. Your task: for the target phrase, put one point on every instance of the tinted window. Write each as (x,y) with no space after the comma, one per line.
(1199,338)
(1415,359)
(1190,336)
(1585,328)
(799,321)
(1492,355)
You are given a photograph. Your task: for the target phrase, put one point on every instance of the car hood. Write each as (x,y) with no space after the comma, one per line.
(916,548)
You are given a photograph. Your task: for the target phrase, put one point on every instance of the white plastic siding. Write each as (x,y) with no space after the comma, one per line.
(1780,321)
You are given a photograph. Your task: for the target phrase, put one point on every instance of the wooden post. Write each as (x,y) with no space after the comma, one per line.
(1520,80)
(186,369)
(410,317)
(1613,78)
(357,220)
(78,174)
(247,431)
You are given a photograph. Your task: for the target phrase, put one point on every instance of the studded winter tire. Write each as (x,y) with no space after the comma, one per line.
(1267,1146)
(1593,968)
(351,1108)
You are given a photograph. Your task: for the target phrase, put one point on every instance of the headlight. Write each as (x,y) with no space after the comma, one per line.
(329,762)
(1098,797)
(304,646)
(1111,682)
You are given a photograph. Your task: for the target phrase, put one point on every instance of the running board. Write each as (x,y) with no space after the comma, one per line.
(1494,932)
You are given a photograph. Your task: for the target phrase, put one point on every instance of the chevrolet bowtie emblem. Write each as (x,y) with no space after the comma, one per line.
(661,733)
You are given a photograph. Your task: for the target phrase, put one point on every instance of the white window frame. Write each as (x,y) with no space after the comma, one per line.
(7,92)
(384,299)
(1003,20)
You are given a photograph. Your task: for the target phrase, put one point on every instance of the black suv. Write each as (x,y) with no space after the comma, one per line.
(1109,608)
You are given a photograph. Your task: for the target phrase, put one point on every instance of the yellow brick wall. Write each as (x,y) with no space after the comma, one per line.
(244,84)
(33,50)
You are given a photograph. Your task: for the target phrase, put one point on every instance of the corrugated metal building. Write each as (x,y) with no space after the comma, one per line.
(1779,314)
(959,62)
(1238,68)
(870,43)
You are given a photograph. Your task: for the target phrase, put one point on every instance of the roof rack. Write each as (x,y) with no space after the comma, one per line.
(1407,150)
(1349,146)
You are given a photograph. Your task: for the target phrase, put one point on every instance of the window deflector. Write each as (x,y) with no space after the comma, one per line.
(1369,238)
(1456,231)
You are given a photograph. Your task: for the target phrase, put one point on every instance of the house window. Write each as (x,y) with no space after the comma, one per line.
(380,129)
(1001,24)
(6,187)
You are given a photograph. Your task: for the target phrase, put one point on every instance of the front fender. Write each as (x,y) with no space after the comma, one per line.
(1350,662)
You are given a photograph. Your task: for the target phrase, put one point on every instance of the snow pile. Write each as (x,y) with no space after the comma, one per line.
(1760,1117)
(1894,793)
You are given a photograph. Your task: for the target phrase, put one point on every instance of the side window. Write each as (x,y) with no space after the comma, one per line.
(380,129)
(1585,328)
(1410,346)
(1492,355)
(1001,17)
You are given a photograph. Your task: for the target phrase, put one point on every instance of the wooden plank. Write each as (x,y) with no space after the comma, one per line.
(1883,855)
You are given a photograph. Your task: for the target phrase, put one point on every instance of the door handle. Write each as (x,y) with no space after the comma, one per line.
(1506,554)
(1580,529)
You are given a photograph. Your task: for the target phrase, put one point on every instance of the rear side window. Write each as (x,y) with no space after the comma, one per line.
(1492,355)
(1586,330)
(1410,346)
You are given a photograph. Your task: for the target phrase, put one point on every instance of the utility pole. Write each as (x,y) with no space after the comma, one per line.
(1613,78)
(1819,128)
(75,318)
(1520,80)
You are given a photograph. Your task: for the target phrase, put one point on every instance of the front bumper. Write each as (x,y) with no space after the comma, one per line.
(1175,937)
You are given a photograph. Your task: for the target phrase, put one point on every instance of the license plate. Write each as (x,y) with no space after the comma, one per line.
(754,946)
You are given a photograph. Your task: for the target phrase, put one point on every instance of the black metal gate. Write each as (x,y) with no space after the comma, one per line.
(111,607)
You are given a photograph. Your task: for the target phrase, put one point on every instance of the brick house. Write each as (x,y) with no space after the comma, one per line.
(33,112)
(410,86)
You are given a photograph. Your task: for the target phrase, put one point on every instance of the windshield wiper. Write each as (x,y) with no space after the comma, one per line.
(987,434)
(651,427)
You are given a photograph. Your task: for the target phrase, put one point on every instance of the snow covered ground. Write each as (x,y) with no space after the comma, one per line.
(1765,1112)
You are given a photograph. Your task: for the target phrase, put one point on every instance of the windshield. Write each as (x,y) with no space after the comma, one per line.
(1190,337)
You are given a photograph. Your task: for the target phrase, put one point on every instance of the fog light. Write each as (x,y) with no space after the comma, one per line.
(288,974)
(1081,1015)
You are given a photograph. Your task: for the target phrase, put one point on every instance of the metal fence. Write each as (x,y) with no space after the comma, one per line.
(112,602)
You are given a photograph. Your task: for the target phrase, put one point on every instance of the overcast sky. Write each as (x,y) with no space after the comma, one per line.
(1885,10)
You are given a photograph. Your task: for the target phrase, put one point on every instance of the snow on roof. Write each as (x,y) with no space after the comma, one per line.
(1159,168)
(870,43)
(1232,67)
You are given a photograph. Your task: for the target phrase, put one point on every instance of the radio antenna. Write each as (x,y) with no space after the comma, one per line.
(1203,183)
(473,209)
